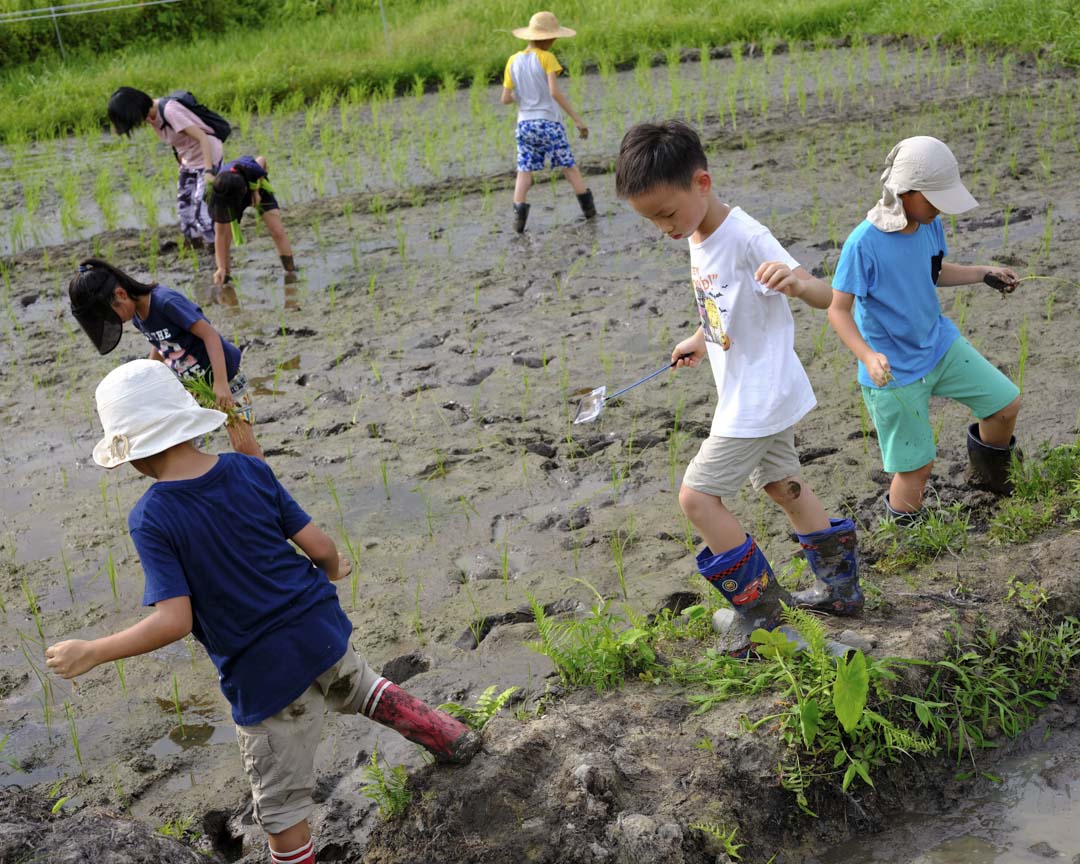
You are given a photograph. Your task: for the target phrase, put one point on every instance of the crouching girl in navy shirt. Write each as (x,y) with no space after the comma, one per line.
(103,297)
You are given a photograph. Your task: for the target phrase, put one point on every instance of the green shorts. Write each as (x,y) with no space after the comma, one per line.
(901,415)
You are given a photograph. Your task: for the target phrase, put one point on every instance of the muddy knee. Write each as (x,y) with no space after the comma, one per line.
(785,491)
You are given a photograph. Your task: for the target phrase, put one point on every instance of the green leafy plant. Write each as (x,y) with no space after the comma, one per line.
(598,650)
(942,530)
(487,706)
(388,789)
(724,838)
(181,829)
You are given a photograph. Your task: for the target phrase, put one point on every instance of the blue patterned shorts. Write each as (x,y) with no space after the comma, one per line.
(538,139)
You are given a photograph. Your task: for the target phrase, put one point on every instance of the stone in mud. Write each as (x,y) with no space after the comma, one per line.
(578,518)
(1044,850)
(476,376)
(30,832)
(860,641)
(541,449)
(638,837)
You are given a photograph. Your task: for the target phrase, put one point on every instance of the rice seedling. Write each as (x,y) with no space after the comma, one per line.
(478,622)
(35,609)
(620,540)
(73,731)
(1022,358)
(176,706)
(114,581)
(384,474)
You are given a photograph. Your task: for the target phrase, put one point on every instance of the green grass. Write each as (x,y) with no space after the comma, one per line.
(293,61)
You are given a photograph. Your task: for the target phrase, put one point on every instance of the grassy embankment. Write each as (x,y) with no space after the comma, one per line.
(455,39)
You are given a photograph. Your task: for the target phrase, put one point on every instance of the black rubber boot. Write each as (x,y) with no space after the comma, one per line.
(834,559)
(988,466)
(905,519)
(521,216)
(290,268)
(588,206)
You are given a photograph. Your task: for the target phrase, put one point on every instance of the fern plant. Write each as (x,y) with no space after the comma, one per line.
(722,836)
(487,706)
(388,789)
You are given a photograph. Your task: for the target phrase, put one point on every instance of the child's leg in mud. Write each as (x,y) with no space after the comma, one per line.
(907,487)
(718,527)
(997,429)
(803,508)
(573,175)
(287,845)
(272,220)
(521,186)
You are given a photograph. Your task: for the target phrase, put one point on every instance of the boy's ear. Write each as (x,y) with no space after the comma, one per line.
(701,181)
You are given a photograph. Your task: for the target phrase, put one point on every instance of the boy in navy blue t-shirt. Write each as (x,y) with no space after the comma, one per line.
(213,536)
(889,270)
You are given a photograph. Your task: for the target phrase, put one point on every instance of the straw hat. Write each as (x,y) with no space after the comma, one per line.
(145,409)
(543,25)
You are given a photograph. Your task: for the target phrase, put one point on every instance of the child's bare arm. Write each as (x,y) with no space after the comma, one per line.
(691,351)
(507,97)
(317,545)
(222,247)
(843,322)
(564,103)
(156,355)
(212,340)
(170,620)
(960,274)
(204,145)
(777,276)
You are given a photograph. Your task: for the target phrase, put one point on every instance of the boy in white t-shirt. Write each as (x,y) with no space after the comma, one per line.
(741,275)
(530,80)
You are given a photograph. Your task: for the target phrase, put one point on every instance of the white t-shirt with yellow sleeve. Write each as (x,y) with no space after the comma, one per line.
(526,74)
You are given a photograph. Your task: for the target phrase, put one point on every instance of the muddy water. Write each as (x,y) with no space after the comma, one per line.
(1030,816)
(418,404)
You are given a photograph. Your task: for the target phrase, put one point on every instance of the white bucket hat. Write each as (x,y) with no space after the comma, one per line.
(919,164)
(543,25)
(144,410)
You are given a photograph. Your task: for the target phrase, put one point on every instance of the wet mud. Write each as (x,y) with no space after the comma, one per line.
(417,399)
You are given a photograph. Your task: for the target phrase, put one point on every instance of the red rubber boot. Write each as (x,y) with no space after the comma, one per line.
(440,734)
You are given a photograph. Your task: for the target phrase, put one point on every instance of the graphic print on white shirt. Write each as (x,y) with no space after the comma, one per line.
(710,303)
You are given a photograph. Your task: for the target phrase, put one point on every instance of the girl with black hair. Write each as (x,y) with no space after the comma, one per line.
(193,141)
(104,297)
(240,184)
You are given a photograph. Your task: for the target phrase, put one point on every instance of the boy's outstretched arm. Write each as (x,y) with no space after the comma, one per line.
(564,103)
(777,276)
(961,274)
(315,543)
(170,620)
(222,251)
(842,321)
(507,97)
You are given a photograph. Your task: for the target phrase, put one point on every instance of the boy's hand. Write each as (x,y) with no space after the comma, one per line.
(224,395)
(778,277)
(689,352)
(582,131)
(344,568)
(877,367)
(70,658)
(1002,274)
(221,276)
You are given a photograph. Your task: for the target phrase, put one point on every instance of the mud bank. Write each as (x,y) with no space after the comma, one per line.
(418,404)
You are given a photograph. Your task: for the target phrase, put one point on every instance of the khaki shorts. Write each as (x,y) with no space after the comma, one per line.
(722,465)
(279,752)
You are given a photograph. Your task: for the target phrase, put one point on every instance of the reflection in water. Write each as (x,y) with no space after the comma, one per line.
(1033,816)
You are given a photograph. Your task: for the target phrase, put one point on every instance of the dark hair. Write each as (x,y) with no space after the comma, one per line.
(96,282)
(229,196)
(656,154)
(128,108)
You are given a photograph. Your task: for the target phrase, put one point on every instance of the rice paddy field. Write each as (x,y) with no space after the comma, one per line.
(415,391)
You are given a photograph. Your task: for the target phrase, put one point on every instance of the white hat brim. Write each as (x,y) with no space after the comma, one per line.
(165,432)
(955,199)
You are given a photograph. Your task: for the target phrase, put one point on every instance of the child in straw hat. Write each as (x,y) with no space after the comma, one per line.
(213,535)
(530,80)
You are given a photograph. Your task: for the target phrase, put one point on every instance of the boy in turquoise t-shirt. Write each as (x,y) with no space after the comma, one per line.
(890,269)
(530,80)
